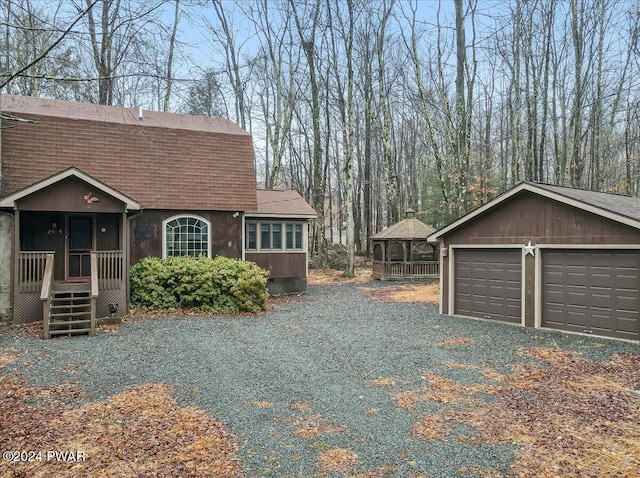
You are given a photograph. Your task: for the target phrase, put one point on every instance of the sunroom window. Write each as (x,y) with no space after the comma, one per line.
(273,236)
(186,236)
(294,236)
(251,239)
(270,236)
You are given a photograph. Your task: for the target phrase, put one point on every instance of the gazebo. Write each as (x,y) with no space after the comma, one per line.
(401,251)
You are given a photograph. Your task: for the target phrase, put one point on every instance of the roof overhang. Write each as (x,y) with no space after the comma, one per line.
(10,200)
(273,215)
(542,192)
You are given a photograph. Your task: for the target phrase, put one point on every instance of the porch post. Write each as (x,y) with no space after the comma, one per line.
(126,242)
(7,256)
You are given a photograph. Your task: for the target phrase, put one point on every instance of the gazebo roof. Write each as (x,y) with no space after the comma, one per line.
(407,229)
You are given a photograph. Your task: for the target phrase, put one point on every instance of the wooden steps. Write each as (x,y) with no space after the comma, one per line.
(71,309)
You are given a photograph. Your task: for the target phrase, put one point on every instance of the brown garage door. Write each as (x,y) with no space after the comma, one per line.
(488,283)
(592,291)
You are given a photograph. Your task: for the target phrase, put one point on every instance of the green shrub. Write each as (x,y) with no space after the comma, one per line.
(219,285)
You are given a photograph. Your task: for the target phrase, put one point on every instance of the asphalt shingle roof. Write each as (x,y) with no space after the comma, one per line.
(409,228)
(628,206)
(163,161)
(288,203)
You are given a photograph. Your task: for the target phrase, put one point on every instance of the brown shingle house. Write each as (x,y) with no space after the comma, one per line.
(546,256)
(92,189)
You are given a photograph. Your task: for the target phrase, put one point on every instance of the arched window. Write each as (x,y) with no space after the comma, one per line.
(186,236)
(377,252)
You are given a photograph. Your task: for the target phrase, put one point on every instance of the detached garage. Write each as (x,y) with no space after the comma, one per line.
(546,256)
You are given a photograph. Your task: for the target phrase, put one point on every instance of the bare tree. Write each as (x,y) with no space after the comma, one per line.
(384,118)
(307,37)
(30,39)
(118,34)
(172,43)
(232,63)
(277,64)
(345,29)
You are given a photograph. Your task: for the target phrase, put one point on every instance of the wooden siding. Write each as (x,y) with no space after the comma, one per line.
(281,264)
(35,235)
(529,288)
(68,195)
(109,240)
(146,233)
(528,216)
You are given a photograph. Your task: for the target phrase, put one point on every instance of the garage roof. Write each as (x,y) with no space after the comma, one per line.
(623,209)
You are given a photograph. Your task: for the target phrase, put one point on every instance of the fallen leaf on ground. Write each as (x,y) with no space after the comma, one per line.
(337,459)
(570,416)
(139,432)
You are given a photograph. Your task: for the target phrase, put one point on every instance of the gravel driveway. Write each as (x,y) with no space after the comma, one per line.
(295,382)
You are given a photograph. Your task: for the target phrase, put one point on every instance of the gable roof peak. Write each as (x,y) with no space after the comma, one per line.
(619,208)
(10,199)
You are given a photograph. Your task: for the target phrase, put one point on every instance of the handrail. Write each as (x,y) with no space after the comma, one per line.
(45,293)
(47,278)
(94,276)
(94,292)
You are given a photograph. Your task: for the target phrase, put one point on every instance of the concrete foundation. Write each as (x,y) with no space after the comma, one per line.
(287,286)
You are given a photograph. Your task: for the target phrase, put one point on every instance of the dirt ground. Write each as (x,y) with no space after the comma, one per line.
(419,292)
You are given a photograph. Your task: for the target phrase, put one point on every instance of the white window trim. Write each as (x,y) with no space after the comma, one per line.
(282,238)
(179,216)
(284,248)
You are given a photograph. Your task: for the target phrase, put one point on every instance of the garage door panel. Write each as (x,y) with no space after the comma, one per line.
(488,284)
(628,326)
(604,302)
(601,280)
(594,291)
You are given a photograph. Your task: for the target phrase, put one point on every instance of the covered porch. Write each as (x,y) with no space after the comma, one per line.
(69,306)
(70,260)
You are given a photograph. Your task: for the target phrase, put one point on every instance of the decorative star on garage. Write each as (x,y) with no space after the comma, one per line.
(529,249)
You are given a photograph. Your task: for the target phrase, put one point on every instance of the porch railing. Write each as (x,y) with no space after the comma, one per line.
(110,269)
(425,269)
(406,269)
(30,273)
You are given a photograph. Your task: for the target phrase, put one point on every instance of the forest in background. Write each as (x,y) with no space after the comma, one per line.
(364,107)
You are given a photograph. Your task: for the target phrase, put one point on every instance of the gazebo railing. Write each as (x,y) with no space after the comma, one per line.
(406,269)
(427,269)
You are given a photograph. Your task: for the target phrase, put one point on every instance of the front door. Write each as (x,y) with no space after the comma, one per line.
(80,245)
